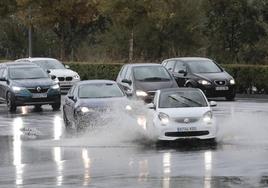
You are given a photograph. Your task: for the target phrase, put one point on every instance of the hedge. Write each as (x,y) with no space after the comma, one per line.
(246,76)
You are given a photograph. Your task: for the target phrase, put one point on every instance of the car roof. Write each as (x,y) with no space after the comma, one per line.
(85,82)
(142,64)
(188,58)
(179,89)
(37,59)
(18,64)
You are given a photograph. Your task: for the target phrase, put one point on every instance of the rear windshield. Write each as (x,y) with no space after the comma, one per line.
(49,64)
(27,73)
(151,73)
(182,99)
(203,66)
(100,91)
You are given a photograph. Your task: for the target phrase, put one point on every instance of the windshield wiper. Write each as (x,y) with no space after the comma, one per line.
(155,79)
(193,101)
(175,99)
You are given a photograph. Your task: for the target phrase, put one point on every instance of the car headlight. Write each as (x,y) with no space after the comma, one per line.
(204,82)
(17,89)
(56,86)
(207,117)
(140,93)
(142,122)
(85,110)
(232,82)
(164,118)
(76,77)
(128,108)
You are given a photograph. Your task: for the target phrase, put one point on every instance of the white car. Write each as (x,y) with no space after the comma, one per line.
(57,71)
(183,113)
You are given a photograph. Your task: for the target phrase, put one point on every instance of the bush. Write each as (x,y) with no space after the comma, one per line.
(246,76)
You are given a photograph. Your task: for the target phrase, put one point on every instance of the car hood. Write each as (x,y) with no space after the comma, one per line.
(213,76)
(102,102)
(153,86)
(62,72)
(32,83)
(196,112)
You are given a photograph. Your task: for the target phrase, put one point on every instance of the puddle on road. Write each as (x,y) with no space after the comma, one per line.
(243,129)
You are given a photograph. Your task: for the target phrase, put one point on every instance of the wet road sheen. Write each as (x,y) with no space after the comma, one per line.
(36,151)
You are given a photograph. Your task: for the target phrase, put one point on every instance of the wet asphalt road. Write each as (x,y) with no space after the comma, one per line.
(36,151)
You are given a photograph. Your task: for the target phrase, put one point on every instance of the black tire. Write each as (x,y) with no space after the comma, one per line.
(11,103)
(38,107)
(230,97)
(56,106)
(189,85)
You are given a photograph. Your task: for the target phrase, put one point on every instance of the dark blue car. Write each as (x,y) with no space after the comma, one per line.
(24,84)
(88,102)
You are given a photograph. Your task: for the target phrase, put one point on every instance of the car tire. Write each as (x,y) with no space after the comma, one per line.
(230,97)
(189,85)
(56,106)
(38,107)
(11,103)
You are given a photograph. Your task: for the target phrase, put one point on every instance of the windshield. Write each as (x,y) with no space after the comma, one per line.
(203,66)
(100,91)
(26,73)
(151,73)
(49,64)
(181,99)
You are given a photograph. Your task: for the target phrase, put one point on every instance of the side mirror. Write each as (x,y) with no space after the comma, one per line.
(67,66)
(128,93)
(182,72)
(3,79)
(48,71)
(71,97)
(151,106)
(212,103)
(127,81)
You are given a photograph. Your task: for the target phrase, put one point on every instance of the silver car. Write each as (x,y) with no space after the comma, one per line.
(65,76)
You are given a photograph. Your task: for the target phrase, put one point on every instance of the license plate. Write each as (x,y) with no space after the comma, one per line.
(39,95)
(65,83)
(223,88)
(186,129)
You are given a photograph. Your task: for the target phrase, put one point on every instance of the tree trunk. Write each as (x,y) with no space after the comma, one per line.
(131,44)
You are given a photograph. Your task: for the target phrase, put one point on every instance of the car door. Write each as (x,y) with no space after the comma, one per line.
(1,85)
(180,73)
(69,105)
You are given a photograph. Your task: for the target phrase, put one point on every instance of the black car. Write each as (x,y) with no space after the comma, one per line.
(24,84)
(202,73)
(143,80)
(87,102)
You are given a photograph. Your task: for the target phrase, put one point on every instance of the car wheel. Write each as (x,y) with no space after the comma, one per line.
(56,106)
(11,103)
(230,97)
(38,107)
(189,85)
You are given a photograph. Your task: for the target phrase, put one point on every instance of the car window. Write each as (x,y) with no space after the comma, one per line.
(16,73)
(170,65)
(100,90)
(203,66)
(182,99)
(49,64)
(151,73)
(180,66)
(128,74)
(123,72)
(1,72)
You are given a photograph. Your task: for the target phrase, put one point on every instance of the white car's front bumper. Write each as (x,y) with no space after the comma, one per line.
(175,131)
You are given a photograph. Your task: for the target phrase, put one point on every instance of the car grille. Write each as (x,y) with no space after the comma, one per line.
(185,134)
(34,90)
(186,120)
(68,78)
(220,82)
